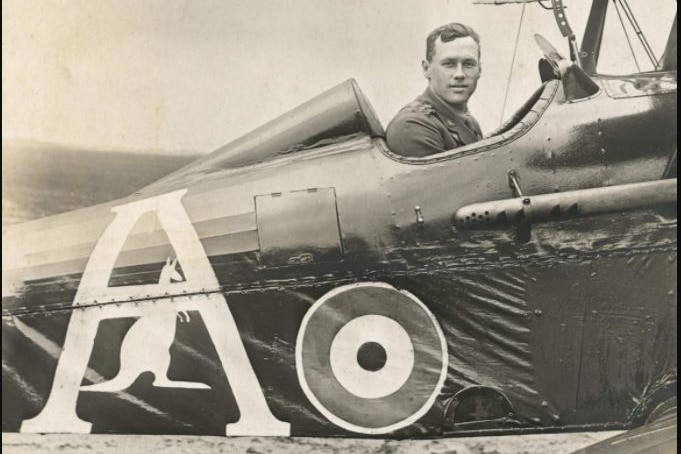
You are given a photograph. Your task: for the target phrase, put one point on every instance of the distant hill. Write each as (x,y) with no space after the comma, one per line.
(40,180)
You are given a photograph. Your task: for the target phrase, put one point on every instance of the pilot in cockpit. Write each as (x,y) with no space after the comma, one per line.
(439,120)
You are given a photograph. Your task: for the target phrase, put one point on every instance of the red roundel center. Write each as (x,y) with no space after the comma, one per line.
(371,356)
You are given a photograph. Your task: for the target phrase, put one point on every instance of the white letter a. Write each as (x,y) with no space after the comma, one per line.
(59,413)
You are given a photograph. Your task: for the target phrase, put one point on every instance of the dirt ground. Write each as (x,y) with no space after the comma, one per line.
(144,444)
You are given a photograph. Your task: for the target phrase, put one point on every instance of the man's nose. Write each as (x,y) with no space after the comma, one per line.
(458,72)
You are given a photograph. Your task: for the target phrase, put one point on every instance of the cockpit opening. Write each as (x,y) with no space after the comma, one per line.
(517,124)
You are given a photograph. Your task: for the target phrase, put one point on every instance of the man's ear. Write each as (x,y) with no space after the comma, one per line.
(425,66)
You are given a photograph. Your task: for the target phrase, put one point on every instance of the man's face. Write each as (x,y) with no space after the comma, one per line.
(454,70)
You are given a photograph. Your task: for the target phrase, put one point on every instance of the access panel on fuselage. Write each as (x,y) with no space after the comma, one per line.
(298,227)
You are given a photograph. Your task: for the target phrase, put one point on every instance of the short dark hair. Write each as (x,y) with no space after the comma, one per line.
(448,33)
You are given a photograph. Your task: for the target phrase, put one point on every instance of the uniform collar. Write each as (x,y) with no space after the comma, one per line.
(451,117)
(454,121)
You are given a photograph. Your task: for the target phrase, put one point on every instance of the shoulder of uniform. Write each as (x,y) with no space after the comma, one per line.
(418,106)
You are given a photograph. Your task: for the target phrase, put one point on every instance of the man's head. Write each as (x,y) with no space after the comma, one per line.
(452,64)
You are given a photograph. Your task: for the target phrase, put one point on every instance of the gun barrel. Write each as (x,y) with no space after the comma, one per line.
(566,205)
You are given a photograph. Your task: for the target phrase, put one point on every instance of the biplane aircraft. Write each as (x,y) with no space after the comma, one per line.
(305,280)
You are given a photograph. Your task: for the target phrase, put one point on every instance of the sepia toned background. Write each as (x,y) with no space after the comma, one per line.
(103,97)
(189,76)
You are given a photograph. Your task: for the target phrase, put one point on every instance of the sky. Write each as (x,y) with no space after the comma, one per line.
(188,76)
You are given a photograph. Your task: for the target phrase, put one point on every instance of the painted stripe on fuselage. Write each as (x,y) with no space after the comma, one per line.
(219,237)
(44,252)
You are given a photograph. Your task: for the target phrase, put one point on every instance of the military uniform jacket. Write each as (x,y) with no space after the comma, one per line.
(428,125)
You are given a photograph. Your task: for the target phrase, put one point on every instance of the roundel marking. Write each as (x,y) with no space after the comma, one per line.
(371,358)
(385,380)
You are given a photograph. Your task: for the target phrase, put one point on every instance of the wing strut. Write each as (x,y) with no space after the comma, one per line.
(510,71)
(566,30)
(634,23)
